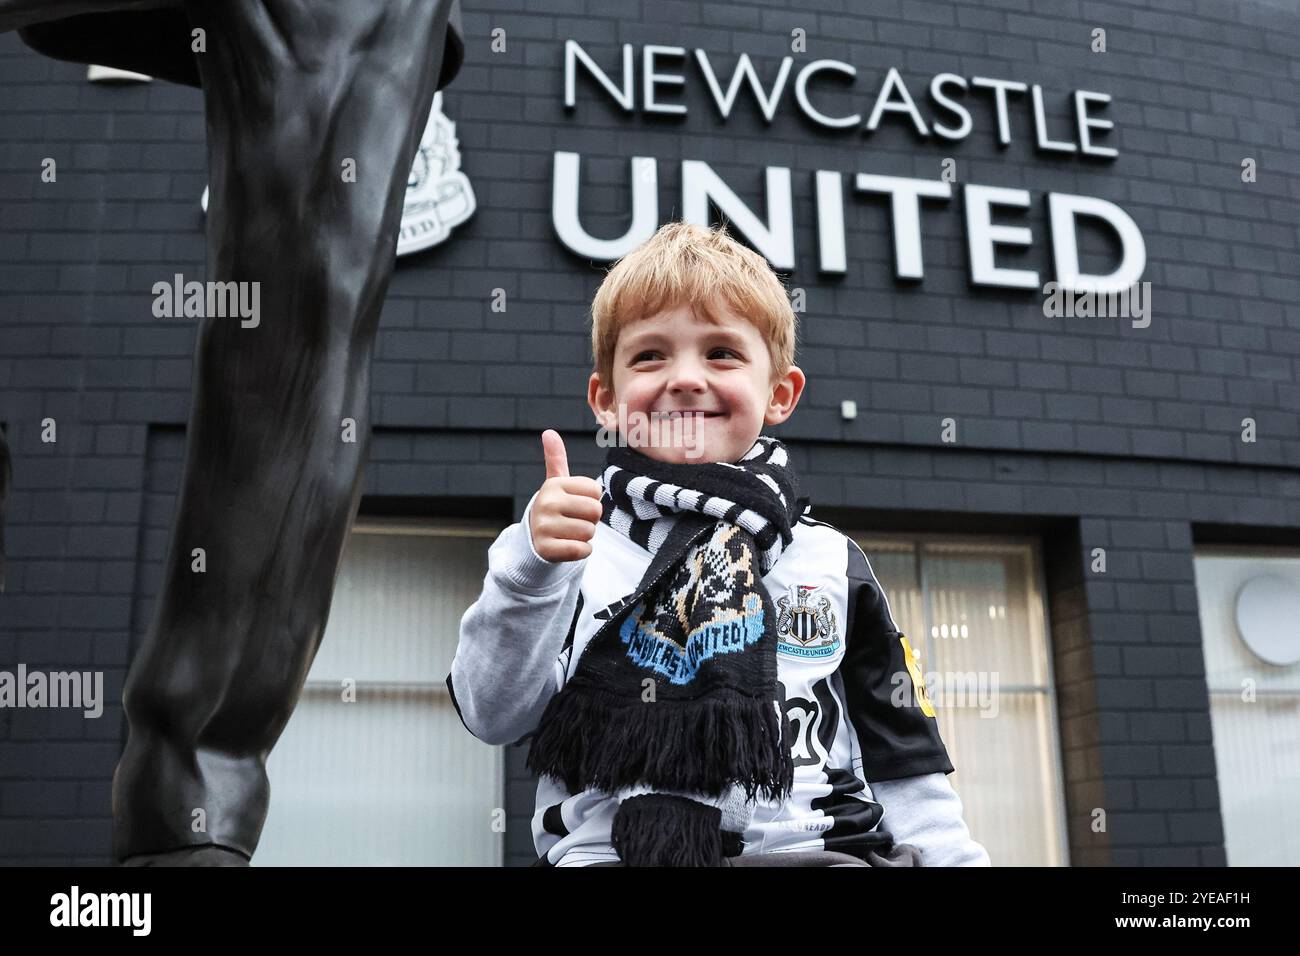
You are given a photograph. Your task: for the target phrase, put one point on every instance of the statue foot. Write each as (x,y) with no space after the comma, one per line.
(209,854)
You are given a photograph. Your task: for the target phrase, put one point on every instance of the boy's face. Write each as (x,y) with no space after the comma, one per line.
(677,362)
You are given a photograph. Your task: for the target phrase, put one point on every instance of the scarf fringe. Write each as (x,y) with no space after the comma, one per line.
(590,737)
(657,829)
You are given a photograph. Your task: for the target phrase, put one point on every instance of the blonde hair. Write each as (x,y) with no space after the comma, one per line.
(684,263)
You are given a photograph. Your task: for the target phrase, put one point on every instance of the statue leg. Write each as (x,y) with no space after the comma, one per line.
(295,92)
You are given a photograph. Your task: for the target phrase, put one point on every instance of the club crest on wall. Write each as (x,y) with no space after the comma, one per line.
(439,196)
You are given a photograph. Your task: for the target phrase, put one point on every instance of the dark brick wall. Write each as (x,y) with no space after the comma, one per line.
(1097,433)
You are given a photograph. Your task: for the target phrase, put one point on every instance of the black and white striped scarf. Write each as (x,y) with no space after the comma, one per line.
(673,706)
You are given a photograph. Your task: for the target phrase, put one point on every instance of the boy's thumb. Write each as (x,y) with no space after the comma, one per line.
(557,460)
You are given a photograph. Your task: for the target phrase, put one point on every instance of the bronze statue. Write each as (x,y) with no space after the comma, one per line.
(293,90)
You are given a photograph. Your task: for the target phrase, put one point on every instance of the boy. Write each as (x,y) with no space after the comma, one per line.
(708,674)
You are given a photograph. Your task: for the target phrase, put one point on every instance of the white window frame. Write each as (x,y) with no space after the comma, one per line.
(433,690)
(1036,586)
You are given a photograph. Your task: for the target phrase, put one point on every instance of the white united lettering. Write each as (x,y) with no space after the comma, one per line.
(773,237)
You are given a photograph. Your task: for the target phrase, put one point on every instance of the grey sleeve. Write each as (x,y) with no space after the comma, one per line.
(925,811)
(505,668)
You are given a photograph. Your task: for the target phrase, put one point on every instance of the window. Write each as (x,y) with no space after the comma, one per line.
(390,777)
(972,609)
(1249,604)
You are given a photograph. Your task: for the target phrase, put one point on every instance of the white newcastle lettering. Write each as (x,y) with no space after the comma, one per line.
(1002,108)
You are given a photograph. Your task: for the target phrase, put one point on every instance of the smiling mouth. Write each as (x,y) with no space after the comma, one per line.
(688,413)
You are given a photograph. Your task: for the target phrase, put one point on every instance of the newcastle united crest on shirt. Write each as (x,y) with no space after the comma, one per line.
(805,624)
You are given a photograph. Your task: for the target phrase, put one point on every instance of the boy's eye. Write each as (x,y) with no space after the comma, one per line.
(717,352)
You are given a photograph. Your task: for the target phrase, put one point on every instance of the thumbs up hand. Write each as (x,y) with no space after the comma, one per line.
(567,509)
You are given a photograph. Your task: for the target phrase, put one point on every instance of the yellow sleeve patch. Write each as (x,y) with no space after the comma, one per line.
(914,668)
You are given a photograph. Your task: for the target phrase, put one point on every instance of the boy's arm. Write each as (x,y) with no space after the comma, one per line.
(505,668)
(925,811)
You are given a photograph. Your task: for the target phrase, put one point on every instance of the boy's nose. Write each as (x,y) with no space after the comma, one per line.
(686,376)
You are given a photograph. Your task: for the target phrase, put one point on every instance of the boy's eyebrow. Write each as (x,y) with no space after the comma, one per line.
(646,337)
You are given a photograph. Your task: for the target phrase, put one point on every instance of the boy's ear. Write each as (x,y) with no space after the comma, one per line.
(601,400)
(785,396)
